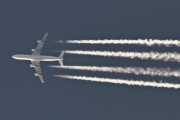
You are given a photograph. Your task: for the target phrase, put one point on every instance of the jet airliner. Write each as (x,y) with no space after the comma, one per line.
(36,57)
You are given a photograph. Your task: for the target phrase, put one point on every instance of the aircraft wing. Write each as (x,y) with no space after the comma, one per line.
(41,42)
(38,70)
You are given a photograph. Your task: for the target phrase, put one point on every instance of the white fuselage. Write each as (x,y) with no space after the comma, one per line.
(36,57)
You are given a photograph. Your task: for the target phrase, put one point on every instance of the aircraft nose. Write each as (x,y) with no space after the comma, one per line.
(13,56)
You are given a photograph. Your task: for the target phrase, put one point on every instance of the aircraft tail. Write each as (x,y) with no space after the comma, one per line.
(61,56)
(61,62)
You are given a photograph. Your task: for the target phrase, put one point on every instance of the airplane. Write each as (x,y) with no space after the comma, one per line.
(36,57)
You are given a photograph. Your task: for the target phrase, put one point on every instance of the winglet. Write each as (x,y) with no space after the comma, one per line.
(44,37)
(41,78)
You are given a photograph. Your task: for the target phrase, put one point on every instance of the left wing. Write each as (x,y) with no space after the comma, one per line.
(41,42)
(36,65)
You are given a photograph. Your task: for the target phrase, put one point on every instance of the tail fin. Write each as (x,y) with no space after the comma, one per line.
(61,56)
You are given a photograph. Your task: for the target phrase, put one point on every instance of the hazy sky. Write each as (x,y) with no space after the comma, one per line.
(23,96)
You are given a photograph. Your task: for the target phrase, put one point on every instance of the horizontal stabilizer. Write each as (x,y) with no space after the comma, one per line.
(61,62)
(61,55)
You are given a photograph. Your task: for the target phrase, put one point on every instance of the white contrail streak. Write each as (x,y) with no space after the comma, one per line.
(175,57)
(146,42)
(120,81)
(166,72)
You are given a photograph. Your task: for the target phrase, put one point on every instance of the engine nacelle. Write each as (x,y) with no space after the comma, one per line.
(39,41)
(31,65)
(33,50)
(36,74)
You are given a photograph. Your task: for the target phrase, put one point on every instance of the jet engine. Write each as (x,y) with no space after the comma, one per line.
(33,50)
(39,41)
(36,74)
(31,65)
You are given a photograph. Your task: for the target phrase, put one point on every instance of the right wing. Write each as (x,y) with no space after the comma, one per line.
(38,70)
(38,49)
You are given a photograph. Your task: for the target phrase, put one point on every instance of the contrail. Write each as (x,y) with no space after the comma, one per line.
(120,81)
(166,72)
(167,56)
(147,42)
